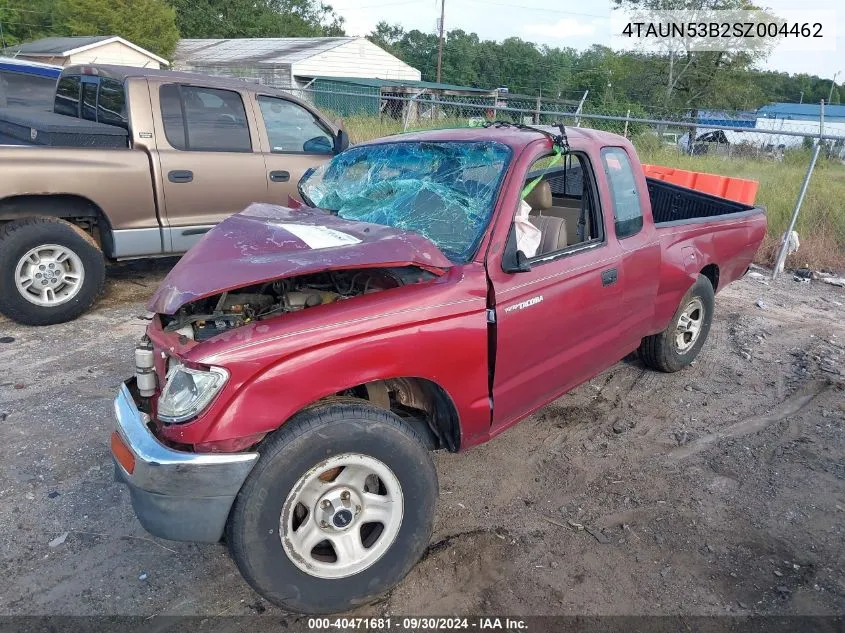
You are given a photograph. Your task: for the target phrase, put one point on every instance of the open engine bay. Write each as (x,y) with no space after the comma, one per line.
(207,317)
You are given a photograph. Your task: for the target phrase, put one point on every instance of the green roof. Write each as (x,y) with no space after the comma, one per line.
(408,83)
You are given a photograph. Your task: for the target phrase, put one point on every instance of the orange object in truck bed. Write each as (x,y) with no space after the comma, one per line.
(737,189)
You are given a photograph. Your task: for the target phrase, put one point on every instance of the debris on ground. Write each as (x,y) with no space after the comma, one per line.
(61,538)
(830,279)
(597,534)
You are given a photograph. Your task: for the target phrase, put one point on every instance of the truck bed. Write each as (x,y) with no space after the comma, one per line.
(673,203)
(669,202)
(28,126)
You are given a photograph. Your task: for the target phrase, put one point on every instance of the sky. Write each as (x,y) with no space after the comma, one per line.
(575,23)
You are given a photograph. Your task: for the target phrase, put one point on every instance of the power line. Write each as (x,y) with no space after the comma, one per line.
(375,6)
(542,9)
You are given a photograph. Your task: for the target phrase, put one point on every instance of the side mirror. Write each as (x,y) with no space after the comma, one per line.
(513,259)
(341,141)
(318,145)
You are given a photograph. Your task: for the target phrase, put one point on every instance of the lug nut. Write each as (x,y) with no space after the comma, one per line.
(344,496)
(323,524)
(325,504)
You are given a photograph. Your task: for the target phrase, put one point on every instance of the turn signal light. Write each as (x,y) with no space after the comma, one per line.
(123,455)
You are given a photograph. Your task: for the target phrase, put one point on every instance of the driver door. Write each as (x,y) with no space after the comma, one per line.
(292,139)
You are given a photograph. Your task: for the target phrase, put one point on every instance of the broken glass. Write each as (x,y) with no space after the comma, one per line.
(443,190)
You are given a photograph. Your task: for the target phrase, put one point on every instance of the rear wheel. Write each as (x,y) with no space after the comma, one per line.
(337,510)
(51,271)
(680,343)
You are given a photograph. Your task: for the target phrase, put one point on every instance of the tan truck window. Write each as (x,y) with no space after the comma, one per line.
(67,96)
(89,100)
(111,104)
(293,129)
(204,119)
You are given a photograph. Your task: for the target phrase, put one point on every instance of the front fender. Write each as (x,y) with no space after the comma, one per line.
(450,352)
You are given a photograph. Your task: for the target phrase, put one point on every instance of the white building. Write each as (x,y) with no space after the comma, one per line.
(91,49)
(290,62)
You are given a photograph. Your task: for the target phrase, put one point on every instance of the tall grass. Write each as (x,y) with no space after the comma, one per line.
(821,224)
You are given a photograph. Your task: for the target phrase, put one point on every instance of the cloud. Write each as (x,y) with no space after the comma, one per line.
(563,28)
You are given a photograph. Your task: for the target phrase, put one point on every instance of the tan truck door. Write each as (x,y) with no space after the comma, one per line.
(293,138)
(211,166)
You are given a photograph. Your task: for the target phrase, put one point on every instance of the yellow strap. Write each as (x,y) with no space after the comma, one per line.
(530,186)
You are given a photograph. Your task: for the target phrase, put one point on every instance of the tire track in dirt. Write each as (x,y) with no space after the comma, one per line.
(788,407)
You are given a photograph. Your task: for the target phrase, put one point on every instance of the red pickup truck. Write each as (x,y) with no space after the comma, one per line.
(433,290)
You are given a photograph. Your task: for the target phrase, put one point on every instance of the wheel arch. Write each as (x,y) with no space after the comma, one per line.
(711,271)
(417,400)
(73,208)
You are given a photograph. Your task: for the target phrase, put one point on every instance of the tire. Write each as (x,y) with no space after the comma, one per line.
(19,240)
(322,437)
(665,351)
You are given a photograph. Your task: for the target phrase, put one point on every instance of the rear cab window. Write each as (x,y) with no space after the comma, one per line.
(204,119)
(92,98)
(627,210)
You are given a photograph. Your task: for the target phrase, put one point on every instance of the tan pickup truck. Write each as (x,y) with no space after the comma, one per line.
(158,158)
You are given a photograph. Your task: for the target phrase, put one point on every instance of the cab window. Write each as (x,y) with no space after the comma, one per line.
(204,119)
(627,211)
(293,129)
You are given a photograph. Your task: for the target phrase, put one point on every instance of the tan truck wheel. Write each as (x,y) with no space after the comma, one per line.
(51,271)
(337,510)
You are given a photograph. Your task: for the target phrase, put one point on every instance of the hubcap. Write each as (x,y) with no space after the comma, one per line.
(49,275)
(689,325)
(341,516)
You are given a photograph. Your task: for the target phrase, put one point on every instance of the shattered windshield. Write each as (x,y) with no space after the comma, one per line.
(443,190)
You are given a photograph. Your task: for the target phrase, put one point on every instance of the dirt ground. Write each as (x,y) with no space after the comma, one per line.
(716,490)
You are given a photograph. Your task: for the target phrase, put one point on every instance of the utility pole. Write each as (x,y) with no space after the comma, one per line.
(440,45)
(832,86)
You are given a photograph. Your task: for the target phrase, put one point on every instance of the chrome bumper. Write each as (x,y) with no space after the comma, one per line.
(177,495)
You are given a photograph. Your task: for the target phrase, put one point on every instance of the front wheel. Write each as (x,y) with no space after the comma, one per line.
(337,510)
(51,271)
(679,344)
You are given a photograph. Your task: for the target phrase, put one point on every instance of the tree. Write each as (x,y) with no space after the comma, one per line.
(256,18)
(695,77)
(387,36)
(151,24)
(23,20)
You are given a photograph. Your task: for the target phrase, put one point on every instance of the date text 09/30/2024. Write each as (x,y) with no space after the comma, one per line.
(418,624)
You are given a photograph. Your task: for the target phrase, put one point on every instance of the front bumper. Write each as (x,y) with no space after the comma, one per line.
(176,495)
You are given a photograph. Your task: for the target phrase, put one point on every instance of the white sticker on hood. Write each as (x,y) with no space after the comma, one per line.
(320,236)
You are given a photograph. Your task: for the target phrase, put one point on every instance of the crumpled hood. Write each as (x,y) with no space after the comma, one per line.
(267,242)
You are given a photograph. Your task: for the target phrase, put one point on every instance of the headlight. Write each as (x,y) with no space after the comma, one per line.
(188,391)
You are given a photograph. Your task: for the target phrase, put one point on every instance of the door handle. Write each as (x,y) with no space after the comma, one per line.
(279,176)
(608,277)
(180,175)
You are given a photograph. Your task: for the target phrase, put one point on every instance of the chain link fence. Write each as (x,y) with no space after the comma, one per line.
(776,152)
(367,116)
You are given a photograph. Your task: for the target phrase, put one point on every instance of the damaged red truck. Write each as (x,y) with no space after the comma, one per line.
(304,362)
